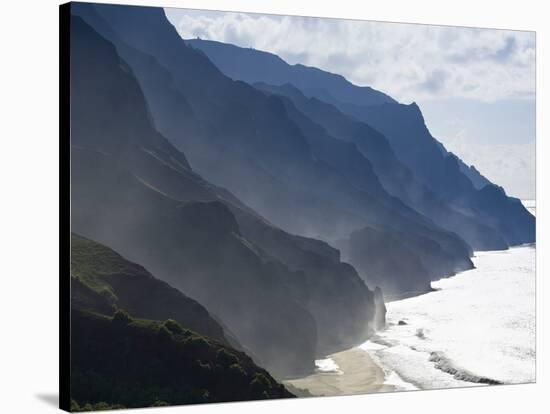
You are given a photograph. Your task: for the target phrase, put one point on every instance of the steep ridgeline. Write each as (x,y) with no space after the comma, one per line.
(454,195)
(129,328)
(286,299)
(244,140)
(251,65)
(443,172)
(319,119)
(384,264)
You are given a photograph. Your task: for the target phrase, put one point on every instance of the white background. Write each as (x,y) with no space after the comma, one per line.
(29,204)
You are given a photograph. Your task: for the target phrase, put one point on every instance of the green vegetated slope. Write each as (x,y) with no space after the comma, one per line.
(120,360)
(103,281)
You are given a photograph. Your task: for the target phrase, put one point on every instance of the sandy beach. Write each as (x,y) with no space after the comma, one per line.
(357,373)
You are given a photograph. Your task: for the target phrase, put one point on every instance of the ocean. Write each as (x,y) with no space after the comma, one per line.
(477,328)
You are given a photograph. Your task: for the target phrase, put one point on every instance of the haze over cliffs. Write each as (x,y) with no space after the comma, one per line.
(275,204)
(132,190)
(244,140)
(408,161)
(442,186)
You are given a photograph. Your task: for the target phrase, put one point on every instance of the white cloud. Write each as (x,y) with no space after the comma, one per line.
(475,86)
(409,62)
(497,137)
(493,160)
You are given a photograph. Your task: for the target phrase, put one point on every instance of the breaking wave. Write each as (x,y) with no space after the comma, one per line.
(477,328)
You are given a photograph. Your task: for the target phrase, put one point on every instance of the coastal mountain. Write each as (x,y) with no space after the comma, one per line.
(446,189)
(366,254)
(133,191)
(166,350)
(102,281)
(245,141)
(320,119)
(443,173)
(235,218)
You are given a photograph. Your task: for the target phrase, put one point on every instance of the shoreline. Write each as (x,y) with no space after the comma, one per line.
(424,350)
(355,373)
(374,366)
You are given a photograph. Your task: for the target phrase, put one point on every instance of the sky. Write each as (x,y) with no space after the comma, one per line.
(475,87)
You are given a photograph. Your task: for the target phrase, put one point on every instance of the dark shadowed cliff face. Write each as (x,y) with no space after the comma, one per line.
(360,159)
(441,186)
(196,246)
(371,257)
(168,349)
(317,120)
(414,145)
(444,173)
(285,298)
(244,140)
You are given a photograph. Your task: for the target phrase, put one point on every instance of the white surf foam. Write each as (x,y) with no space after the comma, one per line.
(479,327)
(327,365)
